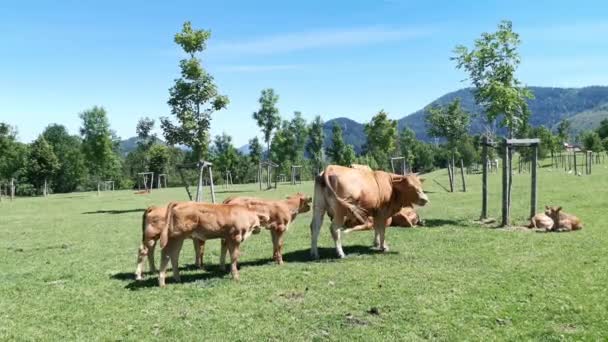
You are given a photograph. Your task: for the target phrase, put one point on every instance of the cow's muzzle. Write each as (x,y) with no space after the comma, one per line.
(422,199)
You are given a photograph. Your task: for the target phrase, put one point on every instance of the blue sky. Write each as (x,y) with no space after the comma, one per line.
(333,58)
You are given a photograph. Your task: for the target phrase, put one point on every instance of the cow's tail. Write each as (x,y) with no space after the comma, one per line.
(144,247)
(228,200)
(532,223)
(164,234)
(359,213)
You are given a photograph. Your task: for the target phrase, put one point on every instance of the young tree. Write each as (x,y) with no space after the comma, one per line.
(300,133)
(408,144)
(97,145)
(144,133)
(381,135)
(194,97)
(314,147)
(452,123)
(602,131)
(255,151)
(72,171)
(226,155)
(42,164)
(338,151)
(563,130)
(491,66)
(12,153)
(158,159)
(267,117)
(591,141)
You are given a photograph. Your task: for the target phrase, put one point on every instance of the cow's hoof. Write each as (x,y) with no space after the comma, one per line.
(139,277)
(314,256)
(385,249)
(341,255)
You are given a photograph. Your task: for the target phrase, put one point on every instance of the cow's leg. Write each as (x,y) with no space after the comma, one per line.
(365,226)
(199,251)
(170,252)
(233,247)
(336,225)
(380,229)
(223,250)
(318,211)
(141,255)
(151,248)
(277,244)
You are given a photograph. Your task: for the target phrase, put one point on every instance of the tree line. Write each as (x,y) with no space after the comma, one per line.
(65,163)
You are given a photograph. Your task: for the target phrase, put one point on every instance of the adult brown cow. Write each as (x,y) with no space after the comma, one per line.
(353,192)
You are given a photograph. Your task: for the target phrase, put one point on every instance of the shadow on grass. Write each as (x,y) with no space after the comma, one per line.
(230,191)
(211,271)
(115,212)
(434,223)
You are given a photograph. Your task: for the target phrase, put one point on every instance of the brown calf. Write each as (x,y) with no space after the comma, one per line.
(563,222)
(541,220)
(281,214)
(152,224)
(232,223)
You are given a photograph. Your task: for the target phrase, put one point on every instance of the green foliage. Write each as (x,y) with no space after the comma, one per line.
(563,130)
(225,154)
(381,135)
(97,145)
(300,131)
(267,117)
(144,133)
(42,163)
(491,66)
(158,159)
(602,131)
(424,157)
(194,97)
(255,151)
(408,144)
(339,152)
(12,153)
(605,144)
(314,147)
(591,141)
(449,122)
(72,170)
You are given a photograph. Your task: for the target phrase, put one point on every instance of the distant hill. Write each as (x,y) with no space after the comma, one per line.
(585,106)
(129,145)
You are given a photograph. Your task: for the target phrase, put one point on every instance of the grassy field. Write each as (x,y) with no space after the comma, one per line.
(67,265)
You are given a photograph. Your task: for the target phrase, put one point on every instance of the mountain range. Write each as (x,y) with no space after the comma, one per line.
(584,107)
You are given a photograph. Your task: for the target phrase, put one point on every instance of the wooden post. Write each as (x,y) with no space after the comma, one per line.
(211,184)
(260,175)
(505,186)
(533,198)
(97,188)
(464,184)
(575,166)
(199,187)
(451,175)
(484,179)
(12,189)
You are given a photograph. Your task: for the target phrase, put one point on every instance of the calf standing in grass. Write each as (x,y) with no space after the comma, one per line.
(281,214)
(232,223)
(563,222)
(152,224)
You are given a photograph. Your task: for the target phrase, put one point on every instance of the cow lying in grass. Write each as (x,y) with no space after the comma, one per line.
(360,194)
(230,222)
(563,222)
(152,224)
(281,214)
(541,221)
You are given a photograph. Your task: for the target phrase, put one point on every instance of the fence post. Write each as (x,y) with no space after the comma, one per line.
(534,167)
(464,184)
(505,185)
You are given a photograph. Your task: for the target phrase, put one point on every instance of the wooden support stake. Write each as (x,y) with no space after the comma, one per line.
(575,164)
(211,184)
(464,184)
(505,186)
(533,198)
(484,180)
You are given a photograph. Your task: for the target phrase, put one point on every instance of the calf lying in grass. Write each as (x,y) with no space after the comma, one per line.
(229,222)
(541,221)
(563,222)
(281,214)
(152,224)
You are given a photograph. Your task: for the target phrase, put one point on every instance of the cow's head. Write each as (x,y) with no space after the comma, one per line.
(305,201)
(553,212)
(410,186)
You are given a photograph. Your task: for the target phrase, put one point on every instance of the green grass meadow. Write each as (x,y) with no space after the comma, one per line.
(67,263)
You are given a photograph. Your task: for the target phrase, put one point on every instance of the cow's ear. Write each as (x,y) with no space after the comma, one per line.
(421,179)
(547,207)
(558,208)
(398,179)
